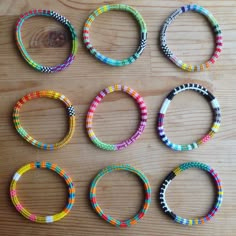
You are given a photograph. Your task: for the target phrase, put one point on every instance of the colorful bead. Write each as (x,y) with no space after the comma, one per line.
(47,94)
(60,19)
(171,176)
(217,31)
(101,57)
(161,115)
(24,211)
(93,106)
(109,219)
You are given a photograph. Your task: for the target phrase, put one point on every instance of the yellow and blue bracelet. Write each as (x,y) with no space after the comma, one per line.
(93,106)
(60,19)
(46,94)
(101,57)
(109,219)
(171,176)
(217,31)
(24,211)
(161,115)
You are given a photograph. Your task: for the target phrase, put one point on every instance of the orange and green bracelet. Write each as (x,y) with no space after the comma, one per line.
(109,219)
(24,211)
(45,94)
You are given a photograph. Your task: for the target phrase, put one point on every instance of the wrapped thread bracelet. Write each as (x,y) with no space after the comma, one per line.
(171,176)
(110,219)
(215,127)
(93,106)
(218,38)
(46,94)
(25,212)
(98,55)
(60,19)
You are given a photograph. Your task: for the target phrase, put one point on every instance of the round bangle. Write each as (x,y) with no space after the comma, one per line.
(167,181)
(101,57)
(46,94)
(109,219)
(93,106)
(24,211)
(161,115)
(60,19)
(218,38)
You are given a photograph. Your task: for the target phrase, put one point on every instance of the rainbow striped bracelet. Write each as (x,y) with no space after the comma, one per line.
(101,57)
(218,38)
(109,219)
(161,115)
(93,106)
(171,176)
(24,211)
(60,19)
(45,94)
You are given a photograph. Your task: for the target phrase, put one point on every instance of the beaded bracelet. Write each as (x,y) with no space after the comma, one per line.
(24,211)
(93,106)
(218,38)
(101,57)
(167,181)
(47,94)
(109,219)
(60,19)
(216,123)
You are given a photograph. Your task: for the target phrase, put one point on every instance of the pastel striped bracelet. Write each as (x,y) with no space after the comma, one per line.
(101,57)
(109,219)
(171,176)
(60,19)
(93,106)
(45,94)
(161,115)
(217,31)
(24,211)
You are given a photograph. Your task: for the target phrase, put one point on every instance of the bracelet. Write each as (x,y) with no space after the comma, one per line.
(24,211)
(45,94)
(109,219)
(218,38)
(216,122)
(93,106)
(101,57)
(167,181)
(60,19)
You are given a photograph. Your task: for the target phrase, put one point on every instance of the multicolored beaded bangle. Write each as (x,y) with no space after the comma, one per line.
(216,123)
(109,219)
(46,94)
(24,211)
(93,106)
(60,19)
(171,176)
(218,37)
(101,57)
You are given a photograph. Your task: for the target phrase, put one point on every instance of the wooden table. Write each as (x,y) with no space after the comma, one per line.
(153,76)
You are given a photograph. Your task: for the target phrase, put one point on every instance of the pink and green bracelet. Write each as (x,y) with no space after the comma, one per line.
(60,19)
(93,106)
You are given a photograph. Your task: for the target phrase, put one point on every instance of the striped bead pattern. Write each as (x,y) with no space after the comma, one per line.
(218,38)
(98,55)
(171,176)
(44,94)
(60,19)
(24,211)
(216,122)
(109,219)
(93,106)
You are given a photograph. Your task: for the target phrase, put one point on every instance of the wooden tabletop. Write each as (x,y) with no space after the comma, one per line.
(189,117)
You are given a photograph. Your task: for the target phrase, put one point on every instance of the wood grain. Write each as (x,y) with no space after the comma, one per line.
(153,76)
